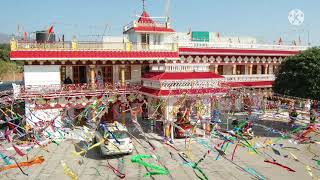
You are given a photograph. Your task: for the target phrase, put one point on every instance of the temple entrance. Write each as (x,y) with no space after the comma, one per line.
(79,74)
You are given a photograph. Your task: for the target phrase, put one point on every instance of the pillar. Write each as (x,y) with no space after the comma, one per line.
(92,76)
(123,77)
(270,69)
(123,113)
(234,69)
(13,44)
(74,43)
(266,67)
(216,68)
(250,69)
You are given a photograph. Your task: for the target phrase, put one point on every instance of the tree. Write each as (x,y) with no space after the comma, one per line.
(7,67)
(4,52)
(299,75)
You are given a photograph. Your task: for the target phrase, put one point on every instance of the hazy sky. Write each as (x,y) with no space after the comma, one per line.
(264,19)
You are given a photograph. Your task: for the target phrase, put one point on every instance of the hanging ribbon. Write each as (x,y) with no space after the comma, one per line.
(18,151)
(116,171)
(68,171)
(159,170)
(38,160)
(6,159)
(255,173)
(275,163)
(91,147)
(309,171)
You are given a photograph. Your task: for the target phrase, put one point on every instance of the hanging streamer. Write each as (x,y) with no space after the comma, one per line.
(38,160)
(18,151)
(159,170)
(68,171)
(275,163)
(116,171)
(6,159)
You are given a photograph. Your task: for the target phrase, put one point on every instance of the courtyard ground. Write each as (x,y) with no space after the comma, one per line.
(91,166)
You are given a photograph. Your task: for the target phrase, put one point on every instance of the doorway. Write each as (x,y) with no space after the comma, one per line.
(145,41)
(79,74)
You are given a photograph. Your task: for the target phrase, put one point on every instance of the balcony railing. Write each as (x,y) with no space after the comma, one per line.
(242,46)
(72,90)
(157,23)
(90,45)
(249,78)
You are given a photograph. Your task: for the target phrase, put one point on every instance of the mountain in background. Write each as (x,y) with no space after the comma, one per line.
(4,38)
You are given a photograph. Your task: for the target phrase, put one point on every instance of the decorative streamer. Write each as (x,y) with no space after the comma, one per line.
(159,170)
(37,160)
(116,171)
(7,135)
(18,151)
(6,159)
(309,171)
(194,166)
(255,173)
(275,163)
(234,151)
(68,171)
(97,171)
(91,147)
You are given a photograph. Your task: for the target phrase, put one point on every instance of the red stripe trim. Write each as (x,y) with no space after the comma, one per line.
(235,51)
(157,92)
(91,54)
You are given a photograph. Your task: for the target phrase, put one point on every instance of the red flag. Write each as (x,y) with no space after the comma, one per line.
(280,41)
(50,30)
(25,36)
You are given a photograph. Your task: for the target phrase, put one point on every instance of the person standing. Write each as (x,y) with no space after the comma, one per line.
(99,80)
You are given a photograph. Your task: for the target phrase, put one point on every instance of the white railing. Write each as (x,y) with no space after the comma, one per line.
(92,45)
(73,90)
(137,24)
(241,46)
(190,84)
(249,78)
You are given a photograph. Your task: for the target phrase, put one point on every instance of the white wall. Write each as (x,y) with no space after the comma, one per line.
(42,74)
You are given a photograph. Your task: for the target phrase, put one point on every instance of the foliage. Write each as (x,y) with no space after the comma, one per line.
(7,66)
(4,52)
(299,75)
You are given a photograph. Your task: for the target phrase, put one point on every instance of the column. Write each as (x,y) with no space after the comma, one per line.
(92,83)
(266,69)
(92,76)
(123,113)
(270,69)
(123,77)
(250,69)
(234,69)
(216,68)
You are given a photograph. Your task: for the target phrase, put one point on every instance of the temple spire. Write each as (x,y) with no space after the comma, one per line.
(143,5)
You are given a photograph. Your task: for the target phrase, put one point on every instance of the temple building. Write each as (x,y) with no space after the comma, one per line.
(151,63)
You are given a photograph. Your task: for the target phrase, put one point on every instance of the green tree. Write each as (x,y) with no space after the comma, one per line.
(4,52)
(299,75)
(7,66)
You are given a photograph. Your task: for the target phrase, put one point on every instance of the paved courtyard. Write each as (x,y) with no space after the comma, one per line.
(91,166)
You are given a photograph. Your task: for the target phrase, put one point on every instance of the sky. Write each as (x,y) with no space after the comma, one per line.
(87,19)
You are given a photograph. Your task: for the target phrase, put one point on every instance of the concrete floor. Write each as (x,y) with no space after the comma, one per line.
(96,168)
